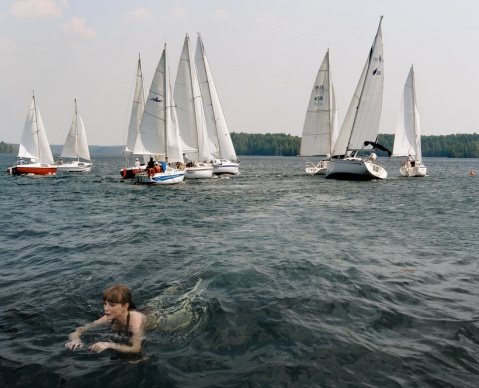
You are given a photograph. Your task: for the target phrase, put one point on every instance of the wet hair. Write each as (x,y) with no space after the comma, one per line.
(119,293)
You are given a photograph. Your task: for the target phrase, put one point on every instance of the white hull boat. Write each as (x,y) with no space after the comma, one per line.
(199,171)
(413,169)
(170,177)
(352,168)
(226,160)
(361,124)
(320,129)
(74,166)
(225,167)
(407,138)
(76,146)
(319,168)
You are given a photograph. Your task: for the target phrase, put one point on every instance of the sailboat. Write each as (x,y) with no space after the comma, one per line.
(225,161)
(133,141)
(407,140)
(76,147)
(34,145)
(320,128)
(191,117)
(159,131)
(352,153)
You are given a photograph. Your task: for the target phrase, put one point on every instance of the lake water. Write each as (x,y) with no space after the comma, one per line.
(306,282)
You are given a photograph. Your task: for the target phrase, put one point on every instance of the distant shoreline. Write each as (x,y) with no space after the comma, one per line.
(280,144)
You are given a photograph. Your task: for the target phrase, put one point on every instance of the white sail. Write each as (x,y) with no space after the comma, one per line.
(189,107)
(159,125)
(320,128)
(215,119)
(133,142)
(76,143)
(363,117)
(407,140)
(34,143)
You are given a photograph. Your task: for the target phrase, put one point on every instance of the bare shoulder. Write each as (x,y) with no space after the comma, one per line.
(136,319)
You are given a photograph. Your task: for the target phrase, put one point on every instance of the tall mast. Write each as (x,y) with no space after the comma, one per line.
(36,125)
(362,89)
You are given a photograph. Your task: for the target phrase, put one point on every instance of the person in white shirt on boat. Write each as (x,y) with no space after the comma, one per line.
(20,161)
(373,157)
(137,163)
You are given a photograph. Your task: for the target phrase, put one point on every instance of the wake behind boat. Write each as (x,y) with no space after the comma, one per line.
(407,139)
(320,128)
(159,131)
(352,158)
(34,145)
(76,146)
(226,161)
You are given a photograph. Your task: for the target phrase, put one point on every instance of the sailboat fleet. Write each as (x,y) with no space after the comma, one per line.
(191,117)
(350,154)
(181,133)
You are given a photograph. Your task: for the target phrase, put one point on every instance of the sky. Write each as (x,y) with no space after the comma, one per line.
(264,56)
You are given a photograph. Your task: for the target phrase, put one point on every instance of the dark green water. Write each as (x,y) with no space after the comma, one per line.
(306,281)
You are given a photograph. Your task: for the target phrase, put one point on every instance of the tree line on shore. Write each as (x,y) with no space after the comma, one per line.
(280,144)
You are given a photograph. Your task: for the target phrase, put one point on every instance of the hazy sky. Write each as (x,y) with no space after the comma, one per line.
(264,56)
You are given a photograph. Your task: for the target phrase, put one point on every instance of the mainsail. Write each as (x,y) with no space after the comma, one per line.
(363,116)
(189,107)
(215,119)
(159,125)
(76,143)
(407,139)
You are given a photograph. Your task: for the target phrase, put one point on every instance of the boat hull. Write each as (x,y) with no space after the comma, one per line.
(416,171)
(199,172)
(75,167)
(355,169)
(33,169)
(317,169)
(161,178)
(130,172)
(225,167)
